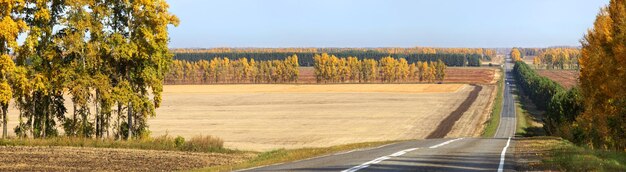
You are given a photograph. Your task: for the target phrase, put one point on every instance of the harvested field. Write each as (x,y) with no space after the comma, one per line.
(471,123)
(265,117)
(24,158)
(468,75)
(471,75)
(445,126)
(567,78)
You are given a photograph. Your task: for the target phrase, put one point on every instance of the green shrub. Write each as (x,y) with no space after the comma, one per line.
(179,141)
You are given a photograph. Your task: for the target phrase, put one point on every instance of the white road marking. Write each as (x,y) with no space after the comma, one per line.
(378,160)
(341,153)
(444,143)
(399,153)
(323,156)
(501,166)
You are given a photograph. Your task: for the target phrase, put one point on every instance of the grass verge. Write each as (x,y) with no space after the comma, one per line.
(554,153)
(523,121)
(529,118)
(494,120)
(283,155)
(196,144)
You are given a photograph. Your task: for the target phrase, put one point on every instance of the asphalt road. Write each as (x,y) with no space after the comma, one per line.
(442,154)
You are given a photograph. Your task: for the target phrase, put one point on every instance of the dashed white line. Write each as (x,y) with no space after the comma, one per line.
(502,155)
(378,160)
(444,143)
(399,153)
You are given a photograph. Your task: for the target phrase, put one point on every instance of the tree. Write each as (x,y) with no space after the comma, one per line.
(413,71)
(432,72)
(403,69)
(78,46)
(369,70)
(602,80)
(12,25)
(354,65)
(387,67)
(6,94)
(440,70)
(537,62)
(293,68)
(516,55)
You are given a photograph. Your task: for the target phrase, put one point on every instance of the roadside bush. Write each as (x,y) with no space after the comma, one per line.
(203,144)
(179,141)
(562,111)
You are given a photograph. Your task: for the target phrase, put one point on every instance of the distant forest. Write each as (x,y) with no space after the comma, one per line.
(450,56)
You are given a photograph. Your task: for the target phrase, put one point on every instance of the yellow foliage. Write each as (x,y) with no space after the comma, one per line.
(5,93)
(602,80)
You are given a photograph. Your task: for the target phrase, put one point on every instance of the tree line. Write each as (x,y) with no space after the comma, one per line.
(558,58)
(486,53)
(109,57)
(538,51)
(331,69)
(327,69)
(562,106)
(242,70)
(306,58)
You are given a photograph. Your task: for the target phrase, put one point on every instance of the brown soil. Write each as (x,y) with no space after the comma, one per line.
(471,75)
(24,158)
(567,78)
(446,125)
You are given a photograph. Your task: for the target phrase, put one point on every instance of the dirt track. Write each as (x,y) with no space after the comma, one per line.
(22,158)
(446,125)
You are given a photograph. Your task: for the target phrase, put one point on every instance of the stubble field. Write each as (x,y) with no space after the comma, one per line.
(266,117)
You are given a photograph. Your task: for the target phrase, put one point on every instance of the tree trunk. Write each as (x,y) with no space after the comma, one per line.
(74,128)
(119,126)
(4,122)
(85,118)
(130,120)
(43,127)
(98,134)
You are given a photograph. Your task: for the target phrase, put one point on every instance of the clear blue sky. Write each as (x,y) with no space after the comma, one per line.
(381,23)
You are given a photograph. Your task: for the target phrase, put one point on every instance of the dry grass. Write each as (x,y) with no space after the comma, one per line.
(556,154)
(165,142)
